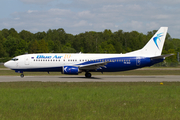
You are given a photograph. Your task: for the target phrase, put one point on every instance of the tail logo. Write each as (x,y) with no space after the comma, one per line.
(157,38)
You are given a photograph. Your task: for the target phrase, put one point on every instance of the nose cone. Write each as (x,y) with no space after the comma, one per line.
(6,64)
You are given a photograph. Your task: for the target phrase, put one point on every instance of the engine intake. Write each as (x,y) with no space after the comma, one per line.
(70,70)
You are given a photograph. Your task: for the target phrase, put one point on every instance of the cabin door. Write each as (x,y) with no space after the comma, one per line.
(27,60)
(138,61)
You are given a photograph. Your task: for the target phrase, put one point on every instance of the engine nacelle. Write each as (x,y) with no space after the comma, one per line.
(70,70)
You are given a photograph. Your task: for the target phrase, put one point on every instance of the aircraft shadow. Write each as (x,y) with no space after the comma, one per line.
(102,77)
(137,77)
(80,78)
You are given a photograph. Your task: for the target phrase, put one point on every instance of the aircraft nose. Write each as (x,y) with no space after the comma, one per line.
(6,64)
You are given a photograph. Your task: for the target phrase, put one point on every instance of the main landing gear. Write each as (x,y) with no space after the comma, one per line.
(22,75)
(88,75)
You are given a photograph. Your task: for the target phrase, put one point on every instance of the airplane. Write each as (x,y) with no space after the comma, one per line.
(75,63)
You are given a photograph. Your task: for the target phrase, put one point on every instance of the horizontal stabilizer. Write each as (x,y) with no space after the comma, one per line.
(161,56)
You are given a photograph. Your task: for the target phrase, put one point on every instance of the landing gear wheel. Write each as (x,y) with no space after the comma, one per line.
(22,75)
(88,75)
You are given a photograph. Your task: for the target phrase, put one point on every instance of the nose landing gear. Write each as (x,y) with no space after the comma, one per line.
(22,75)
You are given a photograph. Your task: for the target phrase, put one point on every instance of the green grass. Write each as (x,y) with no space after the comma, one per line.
(2,66)
(89,101)
(132,72)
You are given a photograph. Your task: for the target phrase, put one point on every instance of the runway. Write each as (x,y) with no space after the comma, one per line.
(95,78)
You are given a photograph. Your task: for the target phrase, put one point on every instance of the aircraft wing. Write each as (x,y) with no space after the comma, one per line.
(93,66)
(161,56)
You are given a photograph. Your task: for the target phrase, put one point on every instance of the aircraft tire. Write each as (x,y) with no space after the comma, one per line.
(22,75)
(88,75)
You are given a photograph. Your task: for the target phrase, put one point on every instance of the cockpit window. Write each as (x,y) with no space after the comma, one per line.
(14,59)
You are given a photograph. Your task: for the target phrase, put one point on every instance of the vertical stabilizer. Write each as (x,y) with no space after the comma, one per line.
(154,46)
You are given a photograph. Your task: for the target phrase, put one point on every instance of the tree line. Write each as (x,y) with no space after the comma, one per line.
(13,43)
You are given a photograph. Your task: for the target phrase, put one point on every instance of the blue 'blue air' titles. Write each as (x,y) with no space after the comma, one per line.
(157,38)
(57,57)
(48,57)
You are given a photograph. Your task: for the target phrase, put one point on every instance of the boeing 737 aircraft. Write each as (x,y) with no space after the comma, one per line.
(72,63)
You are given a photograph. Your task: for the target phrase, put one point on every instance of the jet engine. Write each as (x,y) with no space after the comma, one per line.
(70,70)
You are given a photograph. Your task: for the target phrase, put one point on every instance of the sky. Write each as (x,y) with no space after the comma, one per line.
(79,16)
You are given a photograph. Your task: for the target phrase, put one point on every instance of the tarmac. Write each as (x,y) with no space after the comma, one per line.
(95,78)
